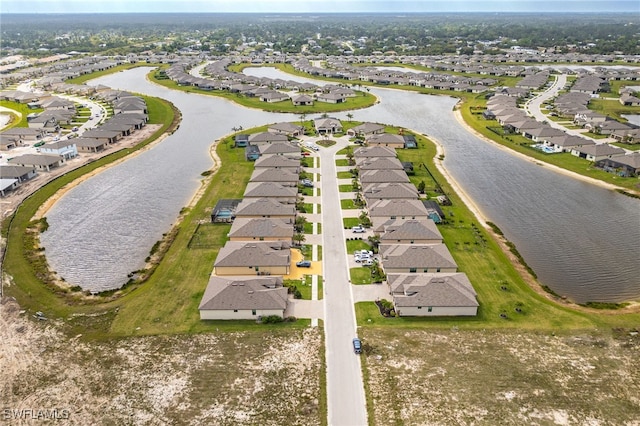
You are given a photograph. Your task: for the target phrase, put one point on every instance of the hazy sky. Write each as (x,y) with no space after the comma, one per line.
(316,6)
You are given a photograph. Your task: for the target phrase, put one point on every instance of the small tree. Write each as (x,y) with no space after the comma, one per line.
(299,224)
(350,116)
(421,187)
(299,238)
(364,220)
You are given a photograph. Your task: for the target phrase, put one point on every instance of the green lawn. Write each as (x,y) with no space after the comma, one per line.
(353,245)
(345,188)
(345,175)
(350,222)
(361,275)
(348,204)
(23,110)
(341,162)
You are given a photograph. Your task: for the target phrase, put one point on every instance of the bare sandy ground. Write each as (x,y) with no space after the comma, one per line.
(258,377)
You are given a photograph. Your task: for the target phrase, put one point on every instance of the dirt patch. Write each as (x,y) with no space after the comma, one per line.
(502,377)
(254,377)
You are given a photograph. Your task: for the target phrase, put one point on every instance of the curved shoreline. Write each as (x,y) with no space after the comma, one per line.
(458,116)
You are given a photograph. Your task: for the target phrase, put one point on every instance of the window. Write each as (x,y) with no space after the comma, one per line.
(419,307)
(412,270)
(426,270)
(429,309)
(438,270)
(235,310)
(253,312)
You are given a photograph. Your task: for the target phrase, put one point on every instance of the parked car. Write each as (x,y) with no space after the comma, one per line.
(357,346)
(304,264)
(306,153)
(307,183)
(357,229)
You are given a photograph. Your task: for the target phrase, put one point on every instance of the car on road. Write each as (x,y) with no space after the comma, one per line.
(357,345)
(304,264)
(357,229)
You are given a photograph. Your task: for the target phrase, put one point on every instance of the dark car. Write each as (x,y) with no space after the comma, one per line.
(357,346)
(304,264)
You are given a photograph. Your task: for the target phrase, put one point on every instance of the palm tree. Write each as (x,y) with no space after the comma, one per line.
(299,238)
(349,116)
(299,224)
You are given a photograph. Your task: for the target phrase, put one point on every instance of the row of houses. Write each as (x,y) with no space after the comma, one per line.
(247,277)
(266,89)
(422,275)
(131,116)
(504,109)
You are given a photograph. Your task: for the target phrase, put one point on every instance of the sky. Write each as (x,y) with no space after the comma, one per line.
(315,6)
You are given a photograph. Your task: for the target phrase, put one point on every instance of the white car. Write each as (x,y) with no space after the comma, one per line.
(357,229)
(367,262)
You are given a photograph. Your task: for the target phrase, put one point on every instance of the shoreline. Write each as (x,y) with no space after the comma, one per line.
(532,282)
(458,116)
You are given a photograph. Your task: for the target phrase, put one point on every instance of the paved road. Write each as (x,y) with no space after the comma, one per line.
(345,391)
(533,107)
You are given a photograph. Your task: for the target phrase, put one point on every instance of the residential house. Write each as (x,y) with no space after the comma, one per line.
(90,145)
(382,176)
(430,294)
(19,135)
(260,229)
(416,258)
(389,191)
(285,149)
(382,210)
(288,129)
(273,190)
(253,258)
(273,96)
(328,125)
(378,163)
(366,129)
(266,138)
(265,207)
(19,173)
(374,151)
(243,297)
(39,161)
(46,122)
(107,136)
(399,231)
(596,152)
(64,148)
(622,164)
(302,100)
(282,176)
(278,162)
(331,97)
(385,139)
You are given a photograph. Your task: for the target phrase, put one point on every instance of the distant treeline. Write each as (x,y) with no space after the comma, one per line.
(361,34)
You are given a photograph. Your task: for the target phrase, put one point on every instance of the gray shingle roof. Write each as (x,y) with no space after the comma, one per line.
(424,229)
(399,207)
(442,290)
(389,190)
(244,293)
(260,227)
(380,176)
(418,256)
(239,253)
(374,151)
(264,207)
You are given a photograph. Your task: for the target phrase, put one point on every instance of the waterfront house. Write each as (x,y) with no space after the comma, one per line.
(416,258)
(265,207)
(430,294)
(260,229)
(253,258)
